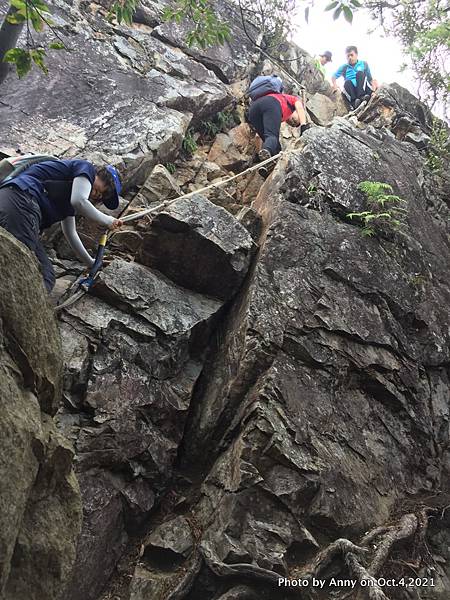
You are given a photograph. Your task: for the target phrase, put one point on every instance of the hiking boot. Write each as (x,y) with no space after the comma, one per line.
(357,103)
(365,98)
(266,170)
(264,154)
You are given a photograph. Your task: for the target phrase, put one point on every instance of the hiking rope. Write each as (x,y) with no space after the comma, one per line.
(143,213)
(85,284)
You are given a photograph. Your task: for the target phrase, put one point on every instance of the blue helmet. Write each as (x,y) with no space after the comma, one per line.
(113,201)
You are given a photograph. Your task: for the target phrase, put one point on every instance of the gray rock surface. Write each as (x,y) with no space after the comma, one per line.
(133,354)
(322,109)
(199,245)
(129,102)
(147,359)
(394,107)
(159,186)
(327,399)
(230,62)
(40,506)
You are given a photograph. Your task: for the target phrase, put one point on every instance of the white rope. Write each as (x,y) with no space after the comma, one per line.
(143,213)
(148,211)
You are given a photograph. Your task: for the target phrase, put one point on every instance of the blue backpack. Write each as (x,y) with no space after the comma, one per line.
(263,85)
(9,170)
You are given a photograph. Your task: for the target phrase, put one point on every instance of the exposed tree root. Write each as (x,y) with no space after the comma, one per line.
(186,583)
(374,592)
(323,559)
(377,543)
(231,570)
(406,527)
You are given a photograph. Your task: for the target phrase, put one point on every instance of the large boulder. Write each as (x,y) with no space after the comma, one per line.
(159,186)
(235,149)
(199,245)
(394,107)
(134,359)
(40,508)
(323,109)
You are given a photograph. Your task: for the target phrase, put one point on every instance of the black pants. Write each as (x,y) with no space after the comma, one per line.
(21,216)
(265,116)
(362,88)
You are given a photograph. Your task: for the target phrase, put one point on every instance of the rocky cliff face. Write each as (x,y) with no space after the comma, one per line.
(253,384)
(40,506)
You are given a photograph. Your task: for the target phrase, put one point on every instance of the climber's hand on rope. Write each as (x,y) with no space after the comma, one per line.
(116,224)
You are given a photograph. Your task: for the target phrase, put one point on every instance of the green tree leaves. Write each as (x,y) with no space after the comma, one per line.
(37,56)
(20,58)
(34,13)
(207,29)
(423,29)
(345,7)
(124,10)
(29,9)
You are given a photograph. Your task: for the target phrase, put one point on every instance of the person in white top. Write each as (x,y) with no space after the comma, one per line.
(56,191)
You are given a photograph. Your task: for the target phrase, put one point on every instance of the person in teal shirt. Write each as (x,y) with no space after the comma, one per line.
(359,83)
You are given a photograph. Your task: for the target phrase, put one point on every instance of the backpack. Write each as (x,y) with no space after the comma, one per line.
(344,70)
(263,85)
(12,167)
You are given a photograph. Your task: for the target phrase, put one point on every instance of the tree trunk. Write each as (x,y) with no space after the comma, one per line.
(9,34)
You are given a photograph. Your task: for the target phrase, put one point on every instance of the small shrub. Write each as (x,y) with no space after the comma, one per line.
(189,144)
(225,119)
(438,152)
(384,212)
(418,280)
(209,129)
(311,190)
(220,123)
(171,168)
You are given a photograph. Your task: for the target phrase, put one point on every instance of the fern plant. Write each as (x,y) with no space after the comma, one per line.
(220,123)
(209,129)
(384,213)
(189,144)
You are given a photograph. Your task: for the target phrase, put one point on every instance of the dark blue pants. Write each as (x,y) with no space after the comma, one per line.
(362,88)
(264,115)
(21,216)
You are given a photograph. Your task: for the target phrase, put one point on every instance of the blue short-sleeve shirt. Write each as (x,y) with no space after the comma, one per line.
(55,206)
(351,70)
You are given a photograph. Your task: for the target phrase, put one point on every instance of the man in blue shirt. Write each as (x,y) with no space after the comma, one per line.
(359,83)
(55,191)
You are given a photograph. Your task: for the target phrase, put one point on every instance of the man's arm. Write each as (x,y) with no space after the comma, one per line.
(336,76)
(81,189)
(373,83)
(69,228)
(300,111)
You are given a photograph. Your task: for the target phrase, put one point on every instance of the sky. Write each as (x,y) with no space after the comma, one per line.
(383,54)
